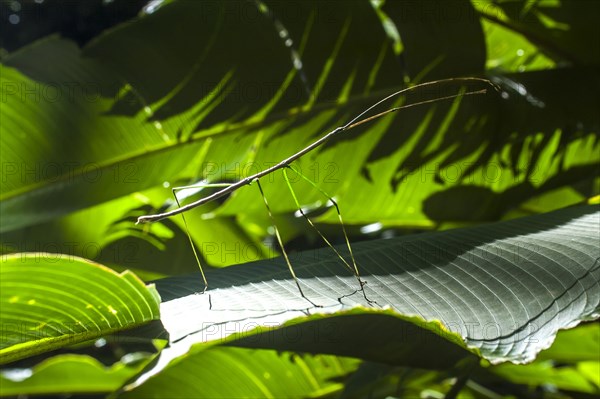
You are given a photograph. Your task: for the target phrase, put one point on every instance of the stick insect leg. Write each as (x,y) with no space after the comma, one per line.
(354,267)
(187,231)
(280,241)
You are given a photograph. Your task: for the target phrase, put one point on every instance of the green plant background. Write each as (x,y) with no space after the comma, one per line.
(94,134)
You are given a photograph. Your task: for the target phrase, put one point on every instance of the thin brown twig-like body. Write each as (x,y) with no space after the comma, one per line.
(353,123)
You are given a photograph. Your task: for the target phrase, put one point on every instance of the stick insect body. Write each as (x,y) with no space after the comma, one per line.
(286,164)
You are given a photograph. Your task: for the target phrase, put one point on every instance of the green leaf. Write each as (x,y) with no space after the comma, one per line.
(591,371)
(73,155)
(210,371)
(575,345)
(544,373)
(559,29)
(144,128)
(137,127)
(569,364)
(52,300)
(440,39)
(70,374)
(510,51)
(502,290)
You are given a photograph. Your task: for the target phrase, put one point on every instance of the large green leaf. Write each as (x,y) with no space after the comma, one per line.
(538,373)
(144,126)
(52,300)
(138,122)
(62,150)
(117,124)
(576,345)
(504,289)
(563,31)
(71,374)
(571,363)
(209,371)
(121,124)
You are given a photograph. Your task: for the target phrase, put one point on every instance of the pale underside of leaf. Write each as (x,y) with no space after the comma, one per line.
(506,289)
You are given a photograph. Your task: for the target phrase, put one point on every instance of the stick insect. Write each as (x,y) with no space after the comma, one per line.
(286,164)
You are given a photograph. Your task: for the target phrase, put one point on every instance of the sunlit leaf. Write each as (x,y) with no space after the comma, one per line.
(504,289)
(209,371)
(52,300)
(70,374)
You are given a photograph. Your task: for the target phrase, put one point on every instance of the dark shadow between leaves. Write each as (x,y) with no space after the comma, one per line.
(398,342)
